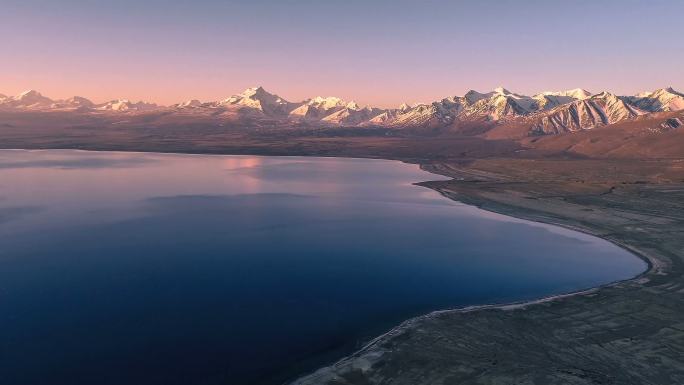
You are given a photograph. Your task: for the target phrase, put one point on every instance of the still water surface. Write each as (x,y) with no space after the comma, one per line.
(129,268)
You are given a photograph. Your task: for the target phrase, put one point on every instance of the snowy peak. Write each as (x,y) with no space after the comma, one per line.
(31,99)
(334,110)
(550,99)
(352,115)
(254,91)
(123,105)
(664,99)
(116,105)
(614,108)
(500,104)
(193,103)
(502,91)
(439,113)
(352,106)
(260,94)
(576,93)
(319,107)
(76,102)
(604,95)
(326,103)
(598,110)
(495,105)
(660,92)
(507,105)
(29,95)
(473,96)
(34,100)
(259,99)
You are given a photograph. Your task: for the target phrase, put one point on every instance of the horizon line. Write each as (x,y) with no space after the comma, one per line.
(495,90)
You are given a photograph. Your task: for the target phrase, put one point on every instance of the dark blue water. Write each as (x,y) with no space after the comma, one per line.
(177,269)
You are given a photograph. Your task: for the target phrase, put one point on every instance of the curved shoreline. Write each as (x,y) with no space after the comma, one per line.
(662,254)
(653,266)
(429,348)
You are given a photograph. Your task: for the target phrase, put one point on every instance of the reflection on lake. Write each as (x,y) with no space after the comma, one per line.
(128,268)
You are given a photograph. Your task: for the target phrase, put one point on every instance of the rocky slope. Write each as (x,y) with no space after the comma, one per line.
(598,110)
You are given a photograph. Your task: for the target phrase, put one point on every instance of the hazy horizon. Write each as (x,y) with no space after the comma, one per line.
(381,53)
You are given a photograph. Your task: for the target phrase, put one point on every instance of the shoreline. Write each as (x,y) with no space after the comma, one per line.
(368,365)
(652,267)
(651,262)
(389,354)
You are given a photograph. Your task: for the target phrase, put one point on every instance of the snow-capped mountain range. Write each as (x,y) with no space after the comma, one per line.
(544,113)
(34,100)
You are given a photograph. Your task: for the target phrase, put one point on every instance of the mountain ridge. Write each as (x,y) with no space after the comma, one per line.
(547,112)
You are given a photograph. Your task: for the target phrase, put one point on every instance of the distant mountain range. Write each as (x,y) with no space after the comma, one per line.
(541,114)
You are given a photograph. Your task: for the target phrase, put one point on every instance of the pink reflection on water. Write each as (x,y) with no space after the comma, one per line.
(80,184)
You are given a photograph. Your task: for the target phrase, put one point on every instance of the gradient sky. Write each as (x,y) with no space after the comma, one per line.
(376,52)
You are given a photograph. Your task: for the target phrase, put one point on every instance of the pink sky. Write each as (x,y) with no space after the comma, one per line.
(380,53)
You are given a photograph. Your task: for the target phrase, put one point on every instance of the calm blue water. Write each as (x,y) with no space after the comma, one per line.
(144,269)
